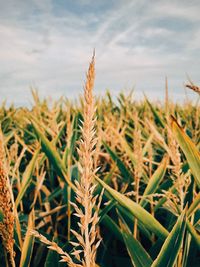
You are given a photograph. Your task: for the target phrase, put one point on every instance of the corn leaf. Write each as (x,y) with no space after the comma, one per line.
(195,205)
(154,181)
(193,233)
(189,149)
(157,118)
(137,253)
(1,216)
(140,213)
(52,155)
(172,245)
(123,169)
(113,227)
(26,178)
(127,214)
(27,248)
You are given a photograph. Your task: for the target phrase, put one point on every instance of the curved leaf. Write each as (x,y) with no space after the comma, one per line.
(193,233)
(137,253)
(52,154)
(195,205)
(157,117)
(155,180)
(26,178)
(172,245)
(123,169)
(189,149)
(27,248)
(140,213)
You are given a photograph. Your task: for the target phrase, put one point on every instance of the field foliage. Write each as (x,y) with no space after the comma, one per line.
(148,161)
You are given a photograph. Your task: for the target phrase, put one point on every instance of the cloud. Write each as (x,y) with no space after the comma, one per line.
(49,44)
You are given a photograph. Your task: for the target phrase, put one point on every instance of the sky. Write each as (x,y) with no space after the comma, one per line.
(48,45)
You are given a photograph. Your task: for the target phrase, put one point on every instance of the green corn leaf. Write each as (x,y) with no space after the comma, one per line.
(123,169)
(155,180)
(56,139)
(112,226)
(27,248)
(1,215)
(193,233)
(127,214)
(50,151)
(75,133)
(126,148)
(70,150)
(104,218)
(172,245)
(52,155)
(57,192)
(147,144)
(140,213)
(163,200)
(106,210)
(189,149)
(138,255)
(157,117)
(26,178)
(195,205)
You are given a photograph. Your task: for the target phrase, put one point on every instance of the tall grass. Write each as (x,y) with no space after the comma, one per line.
(149,160)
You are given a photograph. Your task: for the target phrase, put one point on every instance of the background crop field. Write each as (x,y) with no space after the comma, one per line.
(149,166)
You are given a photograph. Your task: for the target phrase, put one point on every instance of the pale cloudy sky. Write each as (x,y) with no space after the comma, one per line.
(48,44)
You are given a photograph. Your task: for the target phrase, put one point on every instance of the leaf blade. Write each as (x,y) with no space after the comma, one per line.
(172,245)
(27,248)
(188,148)
(155,180)
(137,253)
(140,213)
(26,179)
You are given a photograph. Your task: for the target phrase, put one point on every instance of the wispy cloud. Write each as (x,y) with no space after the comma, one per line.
(49,43)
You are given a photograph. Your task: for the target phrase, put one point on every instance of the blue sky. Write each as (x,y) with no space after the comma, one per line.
(48,44)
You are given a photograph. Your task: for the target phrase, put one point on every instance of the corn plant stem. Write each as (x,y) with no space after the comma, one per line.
(6,257)
(69,198)
(137,184)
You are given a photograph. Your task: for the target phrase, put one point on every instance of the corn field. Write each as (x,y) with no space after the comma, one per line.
(100,182)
